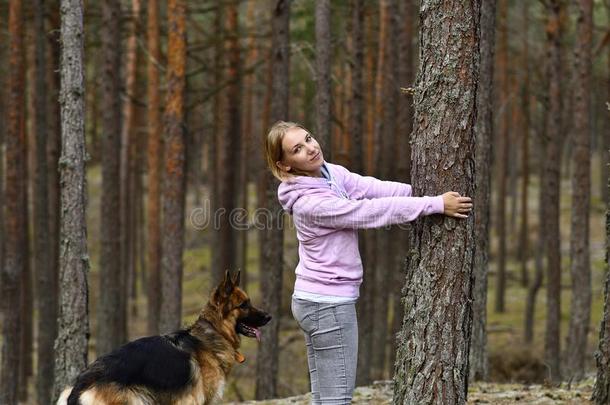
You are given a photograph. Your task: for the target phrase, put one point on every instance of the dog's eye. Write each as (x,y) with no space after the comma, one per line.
(245,305)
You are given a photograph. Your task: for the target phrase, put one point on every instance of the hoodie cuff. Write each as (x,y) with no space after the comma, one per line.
(437,205)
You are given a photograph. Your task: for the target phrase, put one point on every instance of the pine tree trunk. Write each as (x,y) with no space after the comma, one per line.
(550,188)
(503,146)
(323,84)
(601,390)
(111,327)
(580,305)
(524,244)
(46,303)
(432,358)
(402,240)
(15,257)
(73,320)
(174,179)
(154,152)
(128,161)
(230,142)
(479,364)
(272,236)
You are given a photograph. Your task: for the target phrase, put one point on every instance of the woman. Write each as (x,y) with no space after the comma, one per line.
(329,204)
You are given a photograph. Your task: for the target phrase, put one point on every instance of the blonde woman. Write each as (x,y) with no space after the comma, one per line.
(328,205)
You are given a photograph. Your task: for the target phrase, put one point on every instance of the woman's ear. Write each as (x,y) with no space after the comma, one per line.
(282,167)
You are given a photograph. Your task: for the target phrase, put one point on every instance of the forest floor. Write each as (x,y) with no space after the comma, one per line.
(479,393)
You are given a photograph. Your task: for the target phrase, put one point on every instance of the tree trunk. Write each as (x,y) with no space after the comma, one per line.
(524,244)
(73,320)
(15,257)
(580,305)
(155,152)
(367,237)
(503,156)
(601,390)
(174,179)
(432,358)
(129,139)
(386,128)
(479,364)
(46,302)
(230,143)
(323,79)
(111,326)
(402,156)
(550,188)
(272,236)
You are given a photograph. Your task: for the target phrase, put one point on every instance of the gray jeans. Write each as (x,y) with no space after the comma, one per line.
(331,336)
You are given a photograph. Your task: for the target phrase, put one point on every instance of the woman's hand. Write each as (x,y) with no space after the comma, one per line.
(456,206)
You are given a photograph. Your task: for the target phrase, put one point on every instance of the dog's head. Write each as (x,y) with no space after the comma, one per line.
(235,305)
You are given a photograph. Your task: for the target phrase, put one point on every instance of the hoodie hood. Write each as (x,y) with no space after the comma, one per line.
(291,190)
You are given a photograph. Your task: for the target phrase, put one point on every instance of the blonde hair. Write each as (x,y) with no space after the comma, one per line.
(273,148)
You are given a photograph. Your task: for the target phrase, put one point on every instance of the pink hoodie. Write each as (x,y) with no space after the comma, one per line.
(327,215)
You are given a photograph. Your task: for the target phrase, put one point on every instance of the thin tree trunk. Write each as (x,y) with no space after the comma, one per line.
(154,152)
(523,247)
(367,237)
(272,241)
(230,143)
(402,156)
(503,157)
(45,278)
(580,305)
(174,179)
(15,258)
(479,363)
(550,188)
(111,326)
(323,70)
(127,165)
(432,358)
(73,320)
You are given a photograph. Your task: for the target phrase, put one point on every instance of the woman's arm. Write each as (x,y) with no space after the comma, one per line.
(340,213)
(359,187)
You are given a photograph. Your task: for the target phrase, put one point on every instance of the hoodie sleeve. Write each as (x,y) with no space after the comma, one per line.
(341,213)
(359,187)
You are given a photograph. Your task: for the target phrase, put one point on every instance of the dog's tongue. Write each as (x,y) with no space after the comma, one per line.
(258,334)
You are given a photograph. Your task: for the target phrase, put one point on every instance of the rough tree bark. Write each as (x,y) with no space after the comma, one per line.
(111,326)
(432,357)
(323,84)
(601,390)
(272,235)
(550,186)
(155,152)
(73,321)
(479,366)
(580,305)
(13,268)
(174,179)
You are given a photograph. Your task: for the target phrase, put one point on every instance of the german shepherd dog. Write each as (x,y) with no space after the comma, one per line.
(189,366)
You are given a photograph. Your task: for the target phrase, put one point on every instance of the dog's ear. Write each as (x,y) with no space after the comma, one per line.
(227,285)
(237,278)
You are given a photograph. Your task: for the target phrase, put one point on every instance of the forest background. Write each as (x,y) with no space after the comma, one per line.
(178,98)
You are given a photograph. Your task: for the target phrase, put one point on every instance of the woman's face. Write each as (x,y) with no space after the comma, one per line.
(301,152)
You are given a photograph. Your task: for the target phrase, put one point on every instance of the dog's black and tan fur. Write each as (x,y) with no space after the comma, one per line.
(186,367)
